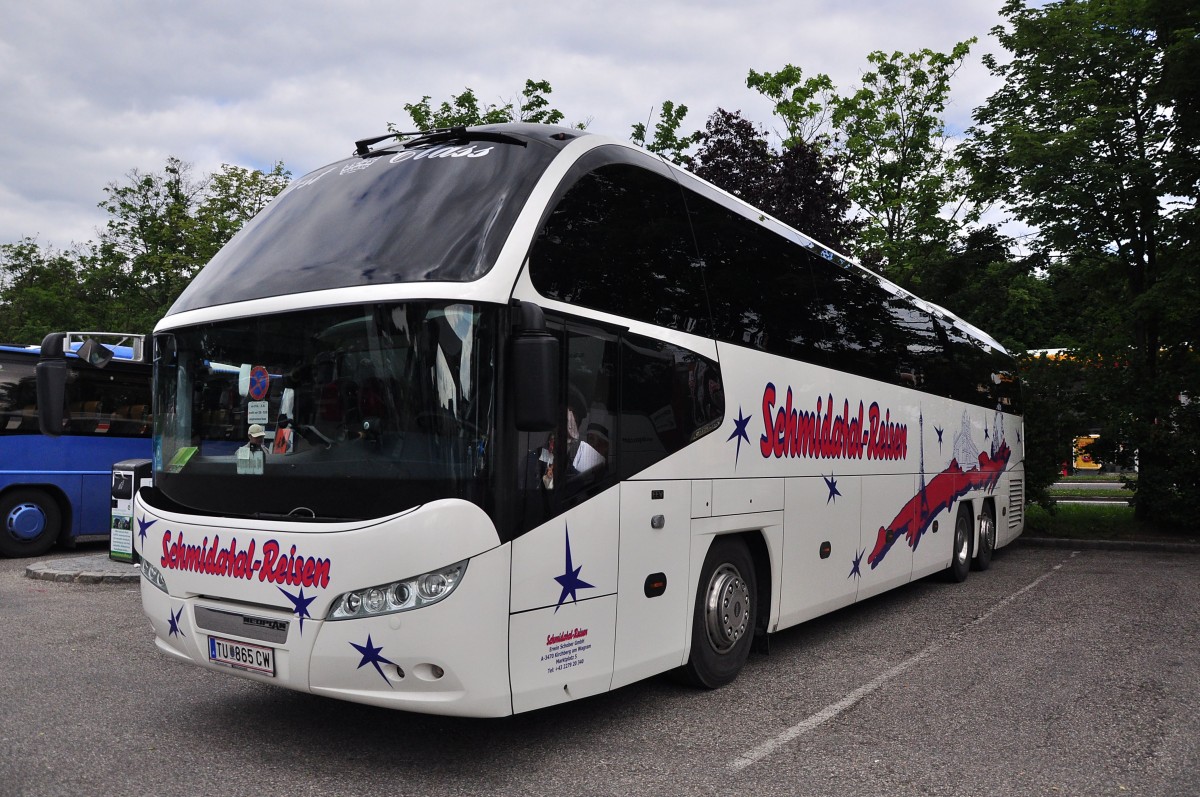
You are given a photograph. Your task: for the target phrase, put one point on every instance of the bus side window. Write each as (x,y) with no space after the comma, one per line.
(670,397)
(18,397)
(577,459)
(619,240)
(740,256)
(590,405)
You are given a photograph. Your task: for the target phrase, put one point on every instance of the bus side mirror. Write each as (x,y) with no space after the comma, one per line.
(533,372)
(52,385)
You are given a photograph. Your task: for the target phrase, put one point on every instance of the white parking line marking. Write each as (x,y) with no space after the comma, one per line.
(829,712)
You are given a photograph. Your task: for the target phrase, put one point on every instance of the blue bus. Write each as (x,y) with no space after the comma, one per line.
(57,488)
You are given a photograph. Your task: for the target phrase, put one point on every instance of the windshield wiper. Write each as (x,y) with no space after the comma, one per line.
(313,436)
(294,517)
(439,135)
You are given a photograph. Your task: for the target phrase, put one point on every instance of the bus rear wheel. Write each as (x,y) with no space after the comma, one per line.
(725,615)
(960,560)
(987,538)
(29,523)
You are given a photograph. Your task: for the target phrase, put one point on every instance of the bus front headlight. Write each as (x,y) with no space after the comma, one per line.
(398,596)
(151,574)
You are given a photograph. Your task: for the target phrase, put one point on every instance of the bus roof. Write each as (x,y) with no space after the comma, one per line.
(390,206)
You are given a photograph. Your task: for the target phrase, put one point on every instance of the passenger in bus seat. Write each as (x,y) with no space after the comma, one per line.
(582,457)
(597,438)
(251,457)
(372,401)
(708,394)
(326,394)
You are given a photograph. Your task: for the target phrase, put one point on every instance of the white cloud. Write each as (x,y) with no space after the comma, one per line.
(94,88)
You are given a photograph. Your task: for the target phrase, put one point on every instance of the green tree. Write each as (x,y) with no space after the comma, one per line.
(162,228)
(232,196)
(465,109)
(980,280)
(804,106)
(152,237)
(667,141)
(1054,417)
(901,168)
(40,290)
(897,163)
(796,185)
(1084,143)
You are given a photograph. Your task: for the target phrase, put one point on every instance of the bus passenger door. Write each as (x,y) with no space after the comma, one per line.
(653,578)
(564,566)
(563,606)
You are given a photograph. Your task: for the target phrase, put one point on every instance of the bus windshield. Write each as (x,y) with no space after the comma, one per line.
(436,212)
(338,413)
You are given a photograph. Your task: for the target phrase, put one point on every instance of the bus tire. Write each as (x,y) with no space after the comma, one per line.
(725,615)
(960,556)
(29,523)
(987,538)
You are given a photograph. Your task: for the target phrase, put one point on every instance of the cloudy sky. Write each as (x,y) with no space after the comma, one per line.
(91,89)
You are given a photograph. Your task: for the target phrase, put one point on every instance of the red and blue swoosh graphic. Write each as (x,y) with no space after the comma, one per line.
(914,519)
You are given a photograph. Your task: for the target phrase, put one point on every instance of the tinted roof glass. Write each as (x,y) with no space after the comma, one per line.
(438,212)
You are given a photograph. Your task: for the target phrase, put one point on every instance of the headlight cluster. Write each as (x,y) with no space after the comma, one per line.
(151,574)
(398,596)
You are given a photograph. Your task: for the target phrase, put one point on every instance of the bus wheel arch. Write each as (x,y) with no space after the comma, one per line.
(960,550)
(761,554)
(727,612)
(31,519)
(986,545)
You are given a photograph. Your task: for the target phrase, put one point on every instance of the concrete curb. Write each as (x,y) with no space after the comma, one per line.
(1109,545)
(89,569)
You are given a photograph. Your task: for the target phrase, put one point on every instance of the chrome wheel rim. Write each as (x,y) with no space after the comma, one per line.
(987,533)
(726,608)
(963,542)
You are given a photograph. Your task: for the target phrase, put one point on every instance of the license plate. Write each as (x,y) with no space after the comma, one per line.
(241,656)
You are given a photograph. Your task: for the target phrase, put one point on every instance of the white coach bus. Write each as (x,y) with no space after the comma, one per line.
(502,417)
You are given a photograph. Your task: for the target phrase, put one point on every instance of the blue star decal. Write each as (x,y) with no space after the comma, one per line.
(299,605)
(739,431)
(986,436)
(831,483)
(856,566)
(144,524)
(370,655)
(570,580)
(175,629)
(939,431)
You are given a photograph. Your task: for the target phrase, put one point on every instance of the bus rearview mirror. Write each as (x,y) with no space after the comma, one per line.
(534,392)
(52,385)
(533,366)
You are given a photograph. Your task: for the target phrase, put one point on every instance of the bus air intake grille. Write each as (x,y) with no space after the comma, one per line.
(1016,503)
(263,629)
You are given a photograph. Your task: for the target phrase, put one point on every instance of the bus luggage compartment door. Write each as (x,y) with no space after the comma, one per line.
(652,582)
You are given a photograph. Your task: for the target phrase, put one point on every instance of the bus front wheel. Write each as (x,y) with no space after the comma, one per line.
(725,615)
(29,523)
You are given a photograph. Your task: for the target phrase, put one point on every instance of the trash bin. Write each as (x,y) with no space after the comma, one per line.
(127,477)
